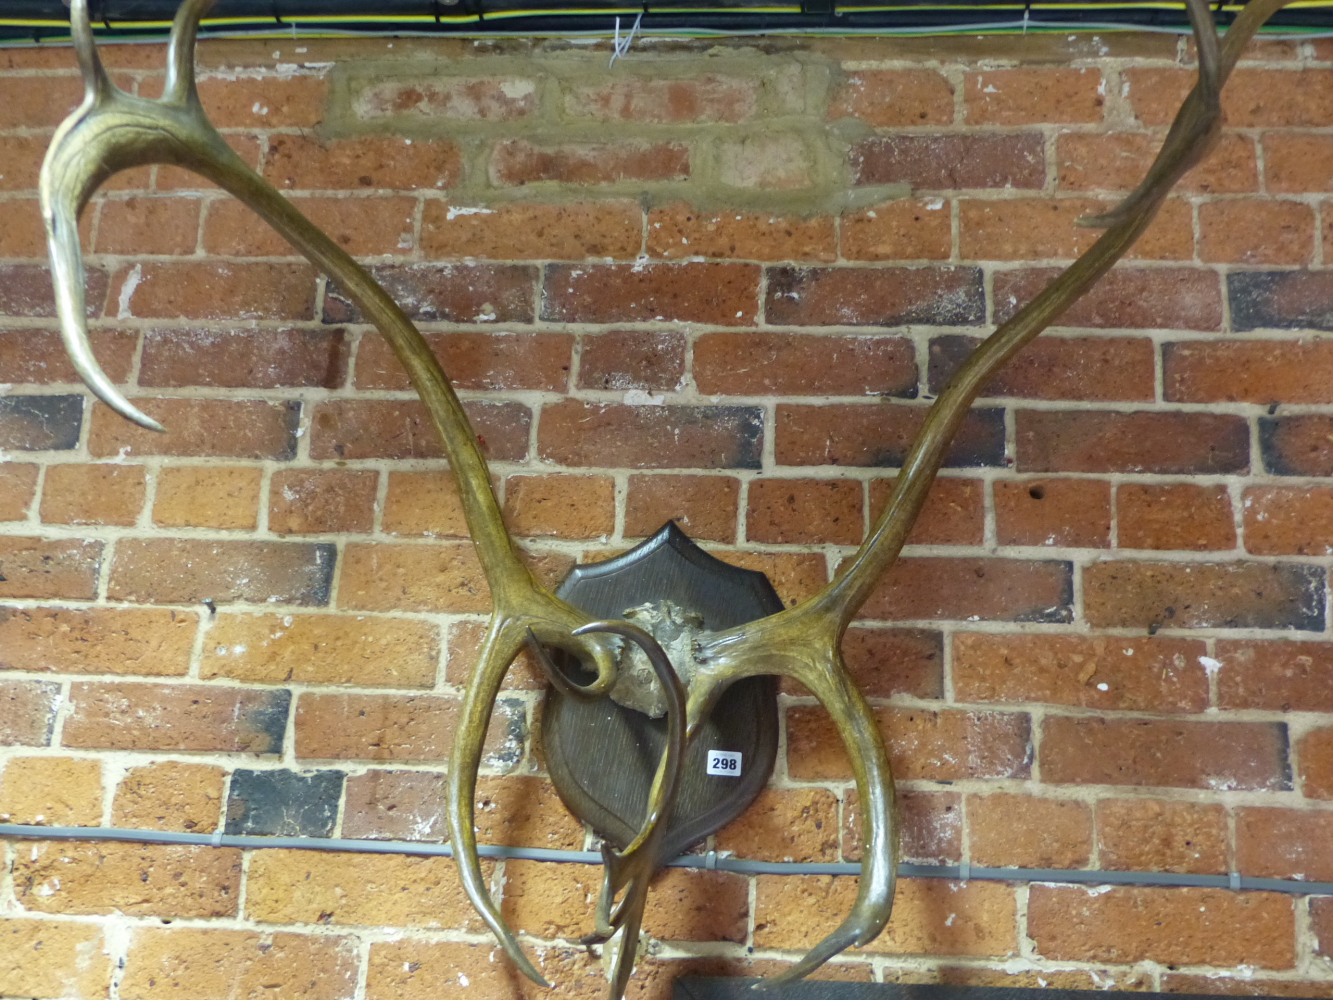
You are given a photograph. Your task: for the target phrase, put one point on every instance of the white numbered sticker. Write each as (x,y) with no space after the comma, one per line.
(724,762)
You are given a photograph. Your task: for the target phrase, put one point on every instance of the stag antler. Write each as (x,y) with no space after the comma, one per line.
(803,642)
(112,131)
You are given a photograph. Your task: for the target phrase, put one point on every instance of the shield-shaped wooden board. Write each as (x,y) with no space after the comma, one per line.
(602,755)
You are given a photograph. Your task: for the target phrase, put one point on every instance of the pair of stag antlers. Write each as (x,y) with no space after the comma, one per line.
(113,130)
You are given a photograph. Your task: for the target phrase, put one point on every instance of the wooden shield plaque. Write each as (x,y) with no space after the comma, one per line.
(602,755)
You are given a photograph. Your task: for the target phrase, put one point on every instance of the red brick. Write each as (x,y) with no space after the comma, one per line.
(382,428)
(267,102)
(152,880)
(399,727)
(1174,926)
(214,291)
(465,639)
(1045,228)
(794,575)
(40,423)
(1221,756)
(1025,831)
(459,98)
(954,513)
(447,293)
(319,501)
(632,359)
(974,589)
(307,163)
(29,710)
(534,361)
(225,428)
(1254,98)
(1024,96)
(524,811)
(244,359)
(187,964)
(890,661)
(703,506)
(680,230)
(396,805)
(710,97)
(1284,843)
(878,435)
(1289,521)
(951,162)
(18,485)
(169,795)
(721,294)
(21,162)
(39,356)
(698,906)
(96,640)
(321,649)
(906,229)
(1315,754)
(413,969)
(1276,676)
(1136,675)
(1174,516)
(1118,161)
(785,824)
(1253,231)
(26,291)
(923,745)
(761,364)
(1146,835)
(573,432)
(1297,164)
(525,231)
(190,571)
(41,568)
(178,717)
(930,916)
(93,494)
(49,959)
(894,98)
(208,496)
(1203,595)
(52,791)
(805,511)
(24,235)
(1105,441)
(424,503)
(377,890)
(1248,371)
(931,824)
(434,578)
(560,505)
(361,226)
(1074,513)
(1297,446)
(853,296)
(149,226)
(39,101)
(1177,298)
(517,162)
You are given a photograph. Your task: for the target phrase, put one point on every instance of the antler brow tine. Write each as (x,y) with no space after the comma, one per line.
(111,131)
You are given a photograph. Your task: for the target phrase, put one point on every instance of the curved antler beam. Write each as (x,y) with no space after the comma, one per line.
(112,131)
(802,642)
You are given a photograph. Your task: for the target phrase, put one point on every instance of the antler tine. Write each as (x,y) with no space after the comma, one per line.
(95,79)
(113,130)
(802,642)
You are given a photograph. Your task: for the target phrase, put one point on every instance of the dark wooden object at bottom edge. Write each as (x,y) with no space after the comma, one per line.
(739,988)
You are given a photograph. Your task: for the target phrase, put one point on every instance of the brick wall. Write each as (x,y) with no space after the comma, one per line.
(721,283)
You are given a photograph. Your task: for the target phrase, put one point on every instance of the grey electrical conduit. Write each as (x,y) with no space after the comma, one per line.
(709,861)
